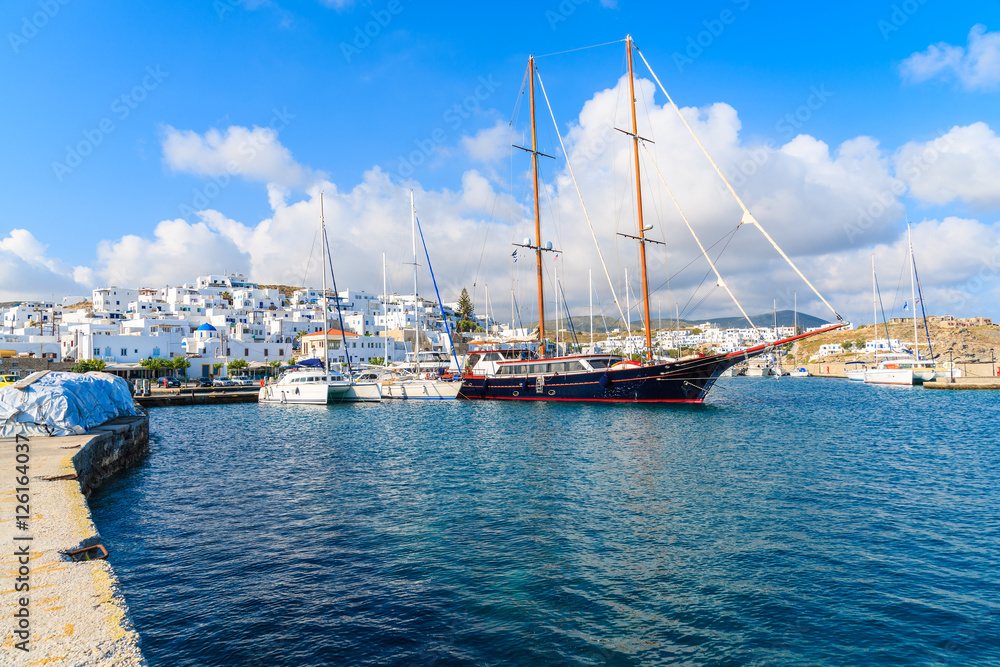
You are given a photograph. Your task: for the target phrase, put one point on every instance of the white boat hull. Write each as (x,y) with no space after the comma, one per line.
(856,376)
(427,390)
(902,376)
(320,394)
(757,372)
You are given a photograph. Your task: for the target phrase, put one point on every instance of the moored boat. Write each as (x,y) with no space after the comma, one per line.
(493,374)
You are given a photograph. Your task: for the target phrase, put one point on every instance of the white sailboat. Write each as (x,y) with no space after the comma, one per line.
(318,384)
(419,383)
(903,368)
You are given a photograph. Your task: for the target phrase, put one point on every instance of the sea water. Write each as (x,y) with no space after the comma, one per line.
(788,521)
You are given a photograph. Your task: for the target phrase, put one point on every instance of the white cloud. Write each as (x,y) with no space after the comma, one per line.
(27,272)
(963,164)
(975,67)
(826,205)
(489,144)
(255,154)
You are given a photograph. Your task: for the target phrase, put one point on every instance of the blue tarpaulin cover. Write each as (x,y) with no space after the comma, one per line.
(64,404)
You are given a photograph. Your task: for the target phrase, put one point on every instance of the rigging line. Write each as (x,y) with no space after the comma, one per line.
(747,216)
(698,241)
(581,48)
(579,194)
(731,236)
(885,322)
(511,125)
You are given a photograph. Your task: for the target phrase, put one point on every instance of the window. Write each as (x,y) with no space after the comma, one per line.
(124,352)
(265,351)
(281,352)
(246,352)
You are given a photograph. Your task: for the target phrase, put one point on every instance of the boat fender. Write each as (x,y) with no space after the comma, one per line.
(262,382)
(605,381)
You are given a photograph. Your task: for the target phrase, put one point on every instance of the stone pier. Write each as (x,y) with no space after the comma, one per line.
(64,612)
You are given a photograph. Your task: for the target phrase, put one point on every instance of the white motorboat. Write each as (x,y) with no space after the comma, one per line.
(317,387)
(855,370)
(901,368)
(314,382)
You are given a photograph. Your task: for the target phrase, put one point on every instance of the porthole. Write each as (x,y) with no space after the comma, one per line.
(552,392)
(517,393)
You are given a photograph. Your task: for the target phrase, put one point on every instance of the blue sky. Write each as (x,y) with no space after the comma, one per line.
(118,80)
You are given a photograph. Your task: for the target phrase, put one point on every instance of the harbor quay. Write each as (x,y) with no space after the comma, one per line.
(61,601)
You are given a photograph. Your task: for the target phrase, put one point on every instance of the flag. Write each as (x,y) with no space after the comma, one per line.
(514,255)
(556,257)
(905,306)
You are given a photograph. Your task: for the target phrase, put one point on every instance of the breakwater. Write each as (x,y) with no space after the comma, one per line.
(175,397)
(62,608)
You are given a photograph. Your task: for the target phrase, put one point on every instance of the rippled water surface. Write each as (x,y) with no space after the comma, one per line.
(792,521)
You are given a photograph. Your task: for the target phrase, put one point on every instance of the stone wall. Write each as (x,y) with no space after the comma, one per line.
(117,445)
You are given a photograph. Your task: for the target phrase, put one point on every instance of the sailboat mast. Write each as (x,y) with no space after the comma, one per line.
(538,224)
(416,315)
(875,310)
(913,291)
(638,202)
(385,313)
(326,323)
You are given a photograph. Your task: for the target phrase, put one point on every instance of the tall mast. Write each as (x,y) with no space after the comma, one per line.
(538,224)
(416,315)
(913,291)
(875,311)
(385,313)
(326,323)
(638,202)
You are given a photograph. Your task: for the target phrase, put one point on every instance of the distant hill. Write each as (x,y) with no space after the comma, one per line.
(786,318)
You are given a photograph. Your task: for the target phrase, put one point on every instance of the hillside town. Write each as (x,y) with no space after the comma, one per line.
(221,319)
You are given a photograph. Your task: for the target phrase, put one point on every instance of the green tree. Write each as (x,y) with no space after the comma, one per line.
(467,325)
(86,365)
(238,365)
(180,364)
(466,309)
(377,361)
(154,364)
(226,296)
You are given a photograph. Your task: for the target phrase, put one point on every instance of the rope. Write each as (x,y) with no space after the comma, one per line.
(586,215)
(722,283)
(594,46)
(747,216)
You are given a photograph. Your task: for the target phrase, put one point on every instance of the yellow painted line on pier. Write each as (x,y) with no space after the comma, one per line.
(47,661)
(68,630)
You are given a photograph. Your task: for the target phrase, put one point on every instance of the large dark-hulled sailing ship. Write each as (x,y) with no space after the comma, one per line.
(608,377)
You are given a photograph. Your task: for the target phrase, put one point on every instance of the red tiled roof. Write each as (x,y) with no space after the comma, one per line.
(332,332)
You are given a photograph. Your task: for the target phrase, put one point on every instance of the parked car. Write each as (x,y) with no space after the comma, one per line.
(202,382)
(223,382)
(244,381)
(168,382)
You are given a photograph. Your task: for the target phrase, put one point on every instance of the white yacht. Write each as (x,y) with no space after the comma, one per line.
(901,368)
(313,381)
(317,387)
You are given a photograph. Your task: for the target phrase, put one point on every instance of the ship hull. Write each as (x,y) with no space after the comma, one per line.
(685,381)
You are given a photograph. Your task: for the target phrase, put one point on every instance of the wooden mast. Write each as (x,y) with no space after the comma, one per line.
(538,226)
(638,201)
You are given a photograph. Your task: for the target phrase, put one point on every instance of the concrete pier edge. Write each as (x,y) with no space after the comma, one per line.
(76,610)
